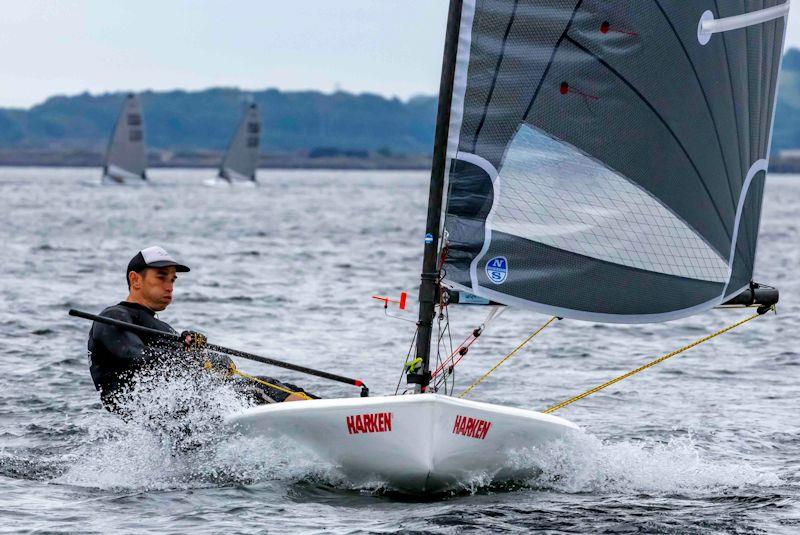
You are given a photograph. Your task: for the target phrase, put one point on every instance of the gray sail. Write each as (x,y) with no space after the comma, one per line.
(126,157)
(241,158)
(606,159)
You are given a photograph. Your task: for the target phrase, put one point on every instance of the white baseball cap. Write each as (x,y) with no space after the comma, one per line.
(154,257)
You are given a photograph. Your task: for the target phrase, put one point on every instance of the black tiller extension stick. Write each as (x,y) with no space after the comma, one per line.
(221,349)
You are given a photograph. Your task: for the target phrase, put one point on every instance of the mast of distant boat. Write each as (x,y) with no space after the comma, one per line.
(429,286)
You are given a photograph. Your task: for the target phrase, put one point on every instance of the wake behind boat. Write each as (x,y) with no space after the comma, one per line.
(591,162)
(126,158)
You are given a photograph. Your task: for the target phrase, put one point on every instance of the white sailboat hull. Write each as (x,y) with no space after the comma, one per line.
(414,443)
(117,175)
(229,175)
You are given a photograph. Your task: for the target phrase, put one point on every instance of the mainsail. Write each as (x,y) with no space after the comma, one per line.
(606,161)
(241,159)
(126,157)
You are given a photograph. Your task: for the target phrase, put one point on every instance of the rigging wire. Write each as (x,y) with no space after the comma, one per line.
(513,352)
(450,347)
(652,363)
(463,348)
(405,364)
(445,344)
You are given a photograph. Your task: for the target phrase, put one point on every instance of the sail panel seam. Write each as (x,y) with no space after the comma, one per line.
(772,121)
(705,99)
(550,62)
(742,158)
(496,74)
(666,125)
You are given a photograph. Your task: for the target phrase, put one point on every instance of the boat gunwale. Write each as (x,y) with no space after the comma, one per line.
(328,405)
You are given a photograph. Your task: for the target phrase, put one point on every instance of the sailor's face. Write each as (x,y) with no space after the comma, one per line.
(157,286)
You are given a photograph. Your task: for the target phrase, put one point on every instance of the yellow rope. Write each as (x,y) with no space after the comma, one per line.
(234,371)
(500,363)
(648,365)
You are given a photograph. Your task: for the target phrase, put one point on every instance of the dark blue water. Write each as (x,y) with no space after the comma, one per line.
(706,443)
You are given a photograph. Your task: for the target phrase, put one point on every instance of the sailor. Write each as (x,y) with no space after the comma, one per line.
(116,355)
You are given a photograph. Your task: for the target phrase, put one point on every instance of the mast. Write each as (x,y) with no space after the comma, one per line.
(428,290)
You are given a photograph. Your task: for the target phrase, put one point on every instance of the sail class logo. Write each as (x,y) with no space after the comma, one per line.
(471,427)
(379,422)
(497,269)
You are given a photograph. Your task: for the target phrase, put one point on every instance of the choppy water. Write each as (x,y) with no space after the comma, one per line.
(707,443)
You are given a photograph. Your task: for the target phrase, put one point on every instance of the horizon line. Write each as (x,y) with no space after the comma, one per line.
(333,92)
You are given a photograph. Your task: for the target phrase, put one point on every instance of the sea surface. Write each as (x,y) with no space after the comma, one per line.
(708,442)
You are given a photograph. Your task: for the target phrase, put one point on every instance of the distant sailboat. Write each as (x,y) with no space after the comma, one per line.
(241,158)
(126,158)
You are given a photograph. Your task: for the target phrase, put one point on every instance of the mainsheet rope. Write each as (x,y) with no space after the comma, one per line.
(232,370)
(650,364)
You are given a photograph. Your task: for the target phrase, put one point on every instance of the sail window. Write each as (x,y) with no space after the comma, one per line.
(252,142)
(253,128)
(550,192)
(135,136)
(134,119)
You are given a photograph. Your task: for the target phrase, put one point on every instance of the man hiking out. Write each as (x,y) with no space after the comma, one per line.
(116,354)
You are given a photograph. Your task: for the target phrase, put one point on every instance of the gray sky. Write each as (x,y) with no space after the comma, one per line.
(391,47)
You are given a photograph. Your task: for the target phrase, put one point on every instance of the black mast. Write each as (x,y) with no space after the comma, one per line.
(429,286)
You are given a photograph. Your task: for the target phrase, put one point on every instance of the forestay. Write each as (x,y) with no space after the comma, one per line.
(241,159)
(607,158)
(126,157)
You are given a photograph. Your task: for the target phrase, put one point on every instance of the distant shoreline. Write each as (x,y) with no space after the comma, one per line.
(211,160)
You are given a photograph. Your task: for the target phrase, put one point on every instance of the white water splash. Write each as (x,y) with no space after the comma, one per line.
(173,437)
(585,463)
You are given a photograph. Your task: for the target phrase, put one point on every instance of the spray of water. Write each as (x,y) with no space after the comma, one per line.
(585,463)
(172,436)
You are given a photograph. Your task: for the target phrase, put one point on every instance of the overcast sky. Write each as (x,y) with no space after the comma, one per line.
(391,47)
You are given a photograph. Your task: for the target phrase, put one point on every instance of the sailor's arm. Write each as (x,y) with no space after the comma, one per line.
(122,344)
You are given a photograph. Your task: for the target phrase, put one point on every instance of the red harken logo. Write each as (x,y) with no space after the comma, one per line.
(471,427)
(379,422)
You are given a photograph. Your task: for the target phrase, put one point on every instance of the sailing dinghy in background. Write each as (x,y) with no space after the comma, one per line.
(592,162)
(126,158)
(241,159)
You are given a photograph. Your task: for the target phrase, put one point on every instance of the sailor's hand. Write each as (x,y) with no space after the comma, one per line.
(193,341)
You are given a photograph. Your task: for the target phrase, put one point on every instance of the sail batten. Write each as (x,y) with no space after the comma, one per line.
(602,158)
(709,25)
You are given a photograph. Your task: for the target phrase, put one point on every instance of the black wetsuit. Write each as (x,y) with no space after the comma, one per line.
(115,355)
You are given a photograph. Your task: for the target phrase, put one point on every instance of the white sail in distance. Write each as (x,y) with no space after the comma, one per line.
(241,159)
(126,157)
